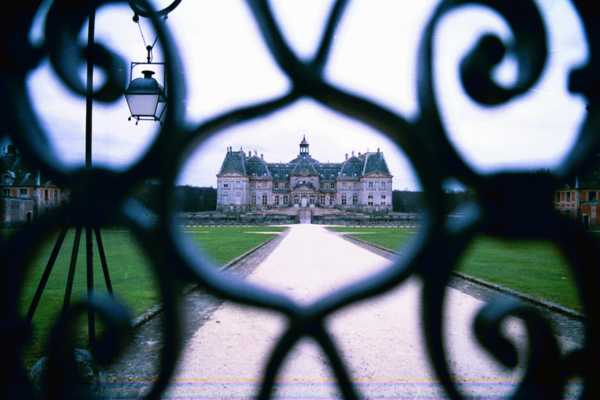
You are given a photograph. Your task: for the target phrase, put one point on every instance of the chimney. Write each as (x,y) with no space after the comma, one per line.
(261,156)
(346,156)
(378,149)
(352,153)
(37,179)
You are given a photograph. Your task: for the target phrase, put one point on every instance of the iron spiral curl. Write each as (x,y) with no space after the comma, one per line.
(432,258)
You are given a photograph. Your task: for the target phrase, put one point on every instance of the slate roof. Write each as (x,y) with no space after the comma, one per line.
(234,163)
(305,167)
(280,171)
(352,167)
(13,171)
(329,171)
(375,164)
(256,166)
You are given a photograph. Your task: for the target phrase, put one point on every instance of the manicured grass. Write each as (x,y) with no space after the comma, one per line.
(130,273)
(223,244)
(390,238)
(533,268)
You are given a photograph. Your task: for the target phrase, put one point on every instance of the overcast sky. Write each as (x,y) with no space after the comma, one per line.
(374,54)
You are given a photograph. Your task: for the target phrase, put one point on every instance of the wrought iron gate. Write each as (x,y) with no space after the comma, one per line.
(424,138)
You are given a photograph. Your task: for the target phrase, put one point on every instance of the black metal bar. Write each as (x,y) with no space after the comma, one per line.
(89,256)
(103,260)
(90,89)
(72,266)
(46,274)
(89,251)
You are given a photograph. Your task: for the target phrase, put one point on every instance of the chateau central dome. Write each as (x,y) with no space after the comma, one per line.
(305,166)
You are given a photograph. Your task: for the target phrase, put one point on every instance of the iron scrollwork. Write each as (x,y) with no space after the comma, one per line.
(432,257)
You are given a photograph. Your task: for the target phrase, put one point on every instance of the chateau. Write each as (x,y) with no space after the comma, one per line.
(247,182)
(25,194)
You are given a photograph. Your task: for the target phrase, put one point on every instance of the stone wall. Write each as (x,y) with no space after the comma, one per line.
(356,219)
(16,211)
(251,218)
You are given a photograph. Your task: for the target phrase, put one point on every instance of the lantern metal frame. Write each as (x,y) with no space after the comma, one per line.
(157,116)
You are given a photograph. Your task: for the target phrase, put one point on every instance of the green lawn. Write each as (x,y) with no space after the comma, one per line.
(130,274)
(534,268)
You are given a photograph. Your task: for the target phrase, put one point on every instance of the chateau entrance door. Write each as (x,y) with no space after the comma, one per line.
(304,201)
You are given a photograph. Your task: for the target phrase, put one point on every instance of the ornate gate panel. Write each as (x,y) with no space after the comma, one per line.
(423,138)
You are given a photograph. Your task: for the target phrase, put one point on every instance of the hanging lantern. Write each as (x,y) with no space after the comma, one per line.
(146,98)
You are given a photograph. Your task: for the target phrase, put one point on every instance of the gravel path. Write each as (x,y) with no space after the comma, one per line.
(379,339)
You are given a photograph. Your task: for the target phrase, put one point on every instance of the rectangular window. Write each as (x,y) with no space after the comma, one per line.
(344,199)
(355,199)
(225,198)
(562,196)
(23,192)
(46,194)
(322,199)
(370,185)
(382,185)
(568,196)
(264,199)
(332,185)
(225,185)
(276,185)
(286,199)
(276,200)
(370,199)
(383,200)
(6,192)
(592,196)
(330,200)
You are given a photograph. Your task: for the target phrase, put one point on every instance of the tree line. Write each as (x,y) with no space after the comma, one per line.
(412,202)
(187,198)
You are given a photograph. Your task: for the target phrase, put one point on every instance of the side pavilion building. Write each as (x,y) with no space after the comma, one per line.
(247,182)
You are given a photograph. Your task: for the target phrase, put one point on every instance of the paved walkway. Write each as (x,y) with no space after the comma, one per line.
(380,339)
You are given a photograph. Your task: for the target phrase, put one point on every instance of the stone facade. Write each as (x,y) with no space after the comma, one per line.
(247,182)
(581,203)
(24,194)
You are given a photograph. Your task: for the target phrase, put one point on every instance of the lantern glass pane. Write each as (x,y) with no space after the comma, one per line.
(142,104)
(160,108)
